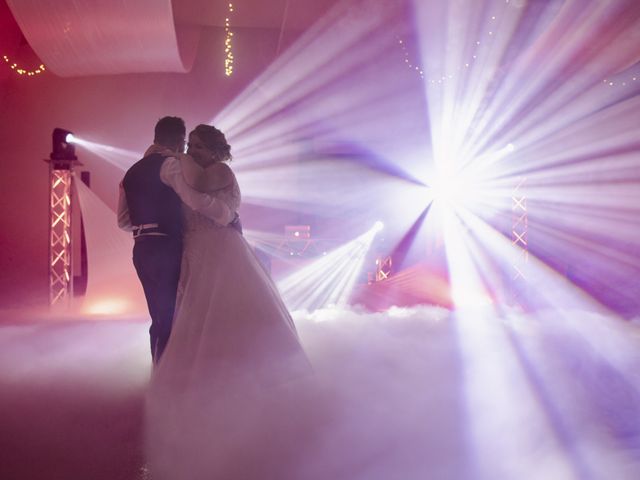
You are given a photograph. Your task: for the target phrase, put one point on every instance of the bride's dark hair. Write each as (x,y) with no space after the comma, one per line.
(214,140)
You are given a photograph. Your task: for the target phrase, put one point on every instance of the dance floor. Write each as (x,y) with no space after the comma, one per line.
(415,393)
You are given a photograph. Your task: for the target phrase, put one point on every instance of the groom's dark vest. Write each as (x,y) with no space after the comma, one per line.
(149,200)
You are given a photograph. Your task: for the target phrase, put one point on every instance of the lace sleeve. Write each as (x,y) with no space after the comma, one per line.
(210,206)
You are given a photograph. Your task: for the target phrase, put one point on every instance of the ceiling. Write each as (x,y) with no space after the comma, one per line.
(276,14)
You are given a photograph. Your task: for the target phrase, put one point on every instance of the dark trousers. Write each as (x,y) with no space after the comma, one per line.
(157,261)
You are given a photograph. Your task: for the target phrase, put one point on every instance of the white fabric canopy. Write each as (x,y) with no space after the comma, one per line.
(96,37)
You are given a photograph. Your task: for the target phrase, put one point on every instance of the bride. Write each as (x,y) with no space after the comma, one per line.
(221,400)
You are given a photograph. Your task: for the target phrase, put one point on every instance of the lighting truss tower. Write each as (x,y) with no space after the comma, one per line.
(297,241)
(519,242)
(60,255)
(383,268)
(61,163)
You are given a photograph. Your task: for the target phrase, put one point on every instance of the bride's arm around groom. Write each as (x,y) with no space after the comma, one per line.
(207,204)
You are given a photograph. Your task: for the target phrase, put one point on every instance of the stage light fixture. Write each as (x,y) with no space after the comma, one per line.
(378,226)
(63,149)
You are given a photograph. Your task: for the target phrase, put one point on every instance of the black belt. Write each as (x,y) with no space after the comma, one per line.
(148,229)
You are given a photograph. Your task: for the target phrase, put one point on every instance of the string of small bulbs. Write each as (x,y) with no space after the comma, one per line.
(23,71)
(419,70)
(228,50)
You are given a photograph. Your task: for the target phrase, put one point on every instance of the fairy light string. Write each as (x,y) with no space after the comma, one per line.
(630,80)
(21,70)
(433,81)
(228,47)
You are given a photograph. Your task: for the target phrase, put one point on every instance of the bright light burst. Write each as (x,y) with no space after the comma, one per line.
(500,86)
(119,157)
(329,280)
(453,188)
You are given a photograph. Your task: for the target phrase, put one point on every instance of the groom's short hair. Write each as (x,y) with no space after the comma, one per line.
(170,131)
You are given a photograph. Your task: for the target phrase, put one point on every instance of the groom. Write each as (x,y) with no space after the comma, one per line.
(152,210)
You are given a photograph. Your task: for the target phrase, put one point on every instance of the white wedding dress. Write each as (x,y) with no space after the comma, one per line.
(221,403)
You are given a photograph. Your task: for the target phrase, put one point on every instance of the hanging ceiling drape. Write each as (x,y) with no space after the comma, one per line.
(97,37)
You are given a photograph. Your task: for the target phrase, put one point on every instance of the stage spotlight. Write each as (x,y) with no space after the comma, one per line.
(454,189)
(510,148)
(70,138)
(449,188)
(378,226)
(63,149)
